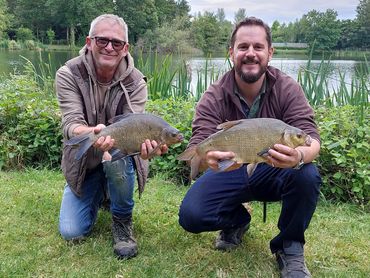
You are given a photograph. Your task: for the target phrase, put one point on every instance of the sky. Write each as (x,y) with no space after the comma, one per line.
(284,11)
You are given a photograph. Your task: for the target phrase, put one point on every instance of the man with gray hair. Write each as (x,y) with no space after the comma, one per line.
(92,88)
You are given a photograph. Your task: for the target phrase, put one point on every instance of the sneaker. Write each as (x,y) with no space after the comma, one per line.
(291,260)
(230,239)
(124,243)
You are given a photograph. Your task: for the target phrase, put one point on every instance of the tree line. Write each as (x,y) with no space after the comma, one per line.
(166,25)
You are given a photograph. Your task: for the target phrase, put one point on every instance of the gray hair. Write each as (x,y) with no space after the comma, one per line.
(112,17)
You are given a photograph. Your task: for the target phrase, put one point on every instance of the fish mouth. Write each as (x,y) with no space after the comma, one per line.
(180,137)
(308,140)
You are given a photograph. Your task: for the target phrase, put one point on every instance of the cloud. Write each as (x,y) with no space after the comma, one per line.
(281,10)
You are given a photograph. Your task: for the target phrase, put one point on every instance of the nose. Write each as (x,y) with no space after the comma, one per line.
(250,51)
(109,46)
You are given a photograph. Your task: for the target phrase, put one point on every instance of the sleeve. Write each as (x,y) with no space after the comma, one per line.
(207,117)
(297,111)
(70,101)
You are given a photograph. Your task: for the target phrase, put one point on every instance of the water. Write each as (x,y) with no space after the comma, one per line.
(12,61)
(290,66)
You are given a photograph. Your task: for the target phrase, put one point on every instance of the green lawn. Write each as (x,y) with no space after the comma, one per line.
(338,242)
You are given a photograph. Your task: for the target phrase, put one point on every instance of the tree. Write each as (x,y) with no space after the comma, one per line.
(220,15)
(140,16)
(205,32)
(240,15)
(363,19)
(4,17)
(321,30)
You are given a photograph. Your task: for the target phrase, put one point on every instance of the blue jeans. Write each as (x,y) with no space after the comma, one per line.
(78,214)
(214,202)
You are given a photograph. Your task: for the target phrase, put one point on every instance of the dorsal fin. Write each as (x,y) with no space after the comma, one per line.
(227,125)
(119,118)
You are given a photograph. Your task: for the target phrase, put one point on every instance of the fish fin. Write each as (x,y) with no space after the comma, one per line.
(264,152)
(227,125)
(250,168)
(74,141)
(225,164)
(194,167)
(116,154)
(83,142)
(119,118)
(188,154)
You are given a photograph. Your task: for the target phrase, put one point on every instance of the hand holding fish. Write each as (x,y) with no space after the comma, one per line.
(282,156)
(214,157)
(148,146)
(103,143)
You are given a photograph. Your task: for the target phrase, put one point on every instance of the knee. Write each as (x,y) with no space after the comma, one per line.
(308,180)
(119,169)
(73,232)
(190,218)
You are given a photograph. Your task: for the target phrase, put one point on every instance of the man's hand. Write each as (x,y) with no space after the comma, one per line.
(283,156)
(147,148)
(214,157)
(103,143)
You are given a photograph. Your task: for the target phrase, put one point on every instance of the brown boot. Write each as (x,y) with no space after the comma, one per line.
(124,243)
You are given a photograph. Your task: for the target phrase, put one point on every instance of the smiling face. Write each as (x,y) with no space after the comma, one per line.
(107,58)
(250,53)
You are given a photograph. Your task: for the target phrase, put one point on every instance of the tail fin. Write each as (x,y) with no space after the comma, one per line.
(83,141)
(188,154)
(191,155)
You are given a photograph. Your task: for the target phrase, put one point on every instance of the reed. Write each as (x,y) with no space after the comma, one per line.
(43,74)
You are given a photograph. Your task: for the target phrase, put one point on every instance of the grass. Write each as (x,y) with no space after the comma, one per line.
(338,244)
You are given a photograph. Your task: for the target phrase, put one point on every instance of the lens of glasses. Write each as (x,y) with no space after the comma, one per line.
(103,42)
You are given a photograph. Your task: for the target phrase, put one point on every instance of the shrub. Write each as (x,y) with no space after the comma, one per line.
(51,35)
(23,34)
(178,113)
(30,44)
(29,125)
(344,156)
(13,45)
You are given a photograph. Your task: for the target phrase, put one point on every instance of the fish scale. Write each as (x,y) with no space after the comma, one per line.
(249,139)
(129,132)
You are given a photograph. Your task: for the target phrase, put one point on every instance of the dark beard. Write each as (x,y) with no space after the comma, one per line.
(250,77)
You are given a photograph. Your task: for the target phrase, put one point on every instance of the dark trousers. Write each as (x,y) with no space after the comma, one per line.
(214,202)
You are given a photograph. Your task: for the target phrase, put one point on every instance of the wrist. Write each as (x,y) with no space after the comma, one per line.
(300,162)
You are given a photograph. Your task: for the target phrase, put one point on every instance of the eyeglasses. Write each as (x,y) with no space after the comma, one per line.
(103,42)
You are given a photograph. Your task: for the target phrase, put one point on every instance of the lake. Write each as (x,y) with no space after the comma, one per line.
(12,61)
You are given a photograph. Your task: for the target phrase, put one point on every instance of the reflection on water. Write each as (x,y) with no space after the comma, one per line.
(11,61)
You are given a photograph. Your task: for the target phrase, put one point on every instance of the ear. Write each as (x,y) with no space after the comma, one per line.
(88,42)
(231,54)
(126,48)
(271,52)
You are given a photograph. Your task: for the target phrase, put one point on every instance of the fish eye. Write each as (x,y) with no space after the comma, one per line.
(299,136)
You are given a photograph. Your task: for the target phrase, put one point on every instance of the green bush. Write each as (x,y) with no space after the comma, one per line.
(13,45)
(23,34)
(178,113)
(29,125)
(30,44)
(344,156)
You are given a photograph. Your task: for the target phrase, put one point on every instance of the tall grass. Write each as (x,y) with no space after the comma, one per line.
(319,93)
(167,78)
(43,74)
